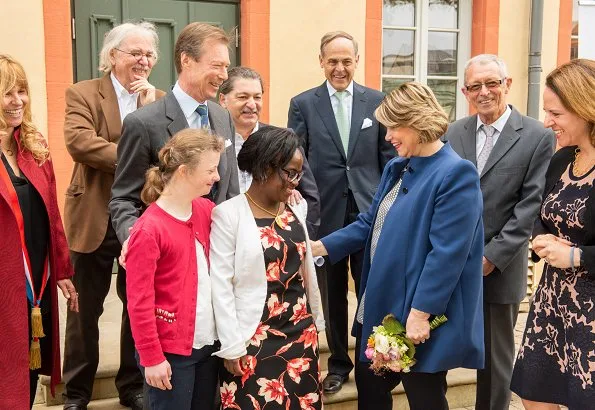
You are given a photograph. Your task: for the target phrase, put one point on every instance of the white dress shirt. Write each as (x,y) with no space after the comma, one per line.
(127,102)
(480,138)
(244,176)
(347,101)
(205,332)
(189,106)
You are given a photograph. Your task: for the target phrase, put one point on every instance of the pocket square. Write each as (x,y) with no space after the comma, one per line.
(227,143)
(367,123)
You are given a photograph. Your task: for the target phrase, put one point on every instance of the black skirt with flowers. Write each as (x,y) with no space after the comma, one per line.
(282,359)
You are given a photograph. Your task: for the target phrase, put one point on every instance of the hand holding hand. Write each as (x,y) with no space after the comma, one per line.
(233,366)
(318,248)
(294,198)
(159,376)
(69,293)
(145,89)
(554,250)
(418,326)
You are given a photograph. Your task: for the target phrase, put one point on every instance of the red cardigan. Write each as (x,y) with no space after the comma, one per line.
(14,337)
(162,280)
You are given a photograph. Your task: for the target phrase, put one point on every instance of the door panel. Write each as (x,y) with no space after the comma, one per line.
(94,18)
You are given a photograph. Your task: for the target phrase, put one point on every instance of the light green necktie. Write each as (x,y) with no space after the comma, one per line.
(342,119)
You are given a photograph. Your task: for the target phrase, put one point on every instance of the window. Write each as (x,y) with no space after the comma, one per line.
(427,41)
(574,33)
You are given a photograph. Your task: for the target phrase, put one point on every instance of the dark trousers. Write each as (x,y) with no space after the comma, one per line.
(92,279)
(493,381)
(424,391)
(194,381)
(33,379)
(336,308)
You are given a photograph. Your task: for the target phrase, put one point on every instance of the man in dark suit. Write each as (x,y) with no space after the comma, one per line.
(512,153)
(201,58)
(241,94)
(346,149)
(95,110)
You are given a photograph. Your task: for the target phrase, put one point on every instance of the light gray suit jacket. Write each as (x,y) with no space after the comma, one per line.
(512,184)
(144,132)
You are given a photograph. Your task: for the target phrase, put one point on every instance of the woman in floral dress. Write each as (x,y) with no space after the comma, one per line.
(556,360)
(265,294)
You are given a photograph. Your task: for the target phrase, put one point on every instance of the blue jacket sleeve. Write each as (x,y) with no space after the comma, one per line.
(457,213)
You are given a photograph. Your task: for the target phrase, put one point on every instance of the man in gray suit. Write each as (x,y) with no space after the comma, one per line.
(202,59)
(347,152)
(512,153)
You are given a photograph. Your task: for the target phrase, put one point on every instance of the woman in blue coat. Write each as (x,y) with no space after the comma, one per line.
(423,241)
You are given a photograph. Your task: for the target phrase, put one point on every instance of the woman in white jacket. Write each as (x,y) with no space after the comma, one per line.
(265,294)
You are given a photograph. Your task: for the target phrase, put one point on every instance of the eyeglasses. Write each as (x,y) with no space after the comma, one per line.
(138,55)
(293,176)
(490,85)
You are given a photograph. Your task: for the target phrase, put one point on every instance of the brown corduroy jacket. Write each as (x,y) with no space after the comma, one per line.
(92,130)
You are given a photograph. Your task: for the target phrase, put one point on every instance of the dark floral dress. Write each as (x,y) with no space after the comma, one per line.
(556,359)
(282,358)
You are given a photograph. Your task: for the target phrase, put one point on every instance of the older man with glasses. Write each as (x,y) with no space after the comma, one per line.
(512,153)
(95,110)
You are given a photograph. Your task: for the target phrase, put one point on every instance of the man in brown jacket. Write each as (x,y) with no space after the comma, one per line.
(95,110)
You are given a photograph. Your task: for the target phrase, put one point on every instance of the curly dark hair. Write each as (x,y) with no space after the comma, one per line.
(267,150)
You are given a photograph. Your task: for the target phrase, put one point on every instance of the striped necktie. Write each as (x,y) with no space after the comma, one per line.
(203,113)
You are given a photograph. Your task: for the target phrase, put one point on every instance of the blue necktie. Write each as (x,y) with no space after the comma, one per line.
(203,114)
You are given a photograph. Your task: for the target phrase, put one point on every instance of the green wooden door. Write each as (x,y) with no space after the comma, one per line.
(94,18)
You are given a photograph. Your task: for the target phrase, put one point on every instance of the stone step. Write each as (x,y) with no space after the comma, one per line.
(104,404)
(460,393)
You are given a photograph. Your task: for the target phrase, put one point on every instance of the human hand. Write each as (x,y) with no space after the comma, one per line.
(488,267)
(294,198)
(145,90)
(233,366)
(124,251)
(69,293)
(318,248)
(159,376)
(418,326)
(555,251)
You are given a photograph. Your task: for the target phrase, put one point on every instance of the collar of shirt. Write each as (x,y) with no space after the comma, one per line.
(188,106)
(244,177)
(127,102)
(499,124)
(332,91)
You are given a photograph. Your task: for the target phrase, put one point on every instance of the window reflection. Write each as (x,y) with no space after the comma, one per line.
(443,13)
(398,13)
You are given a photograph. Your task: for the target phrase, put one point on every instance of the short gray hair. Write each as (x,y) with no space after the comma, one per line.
(118,34)
(483,59)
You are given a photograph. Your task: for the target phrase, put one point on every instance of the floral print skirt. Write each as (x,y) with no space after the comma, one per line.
(281,370)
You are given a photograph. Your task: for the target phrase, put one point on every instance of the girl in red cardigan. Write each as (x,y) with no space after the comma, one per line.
(168,284)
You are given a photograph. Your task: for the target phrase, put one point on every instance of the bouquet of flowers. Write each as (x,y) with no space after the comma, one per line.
(389,349)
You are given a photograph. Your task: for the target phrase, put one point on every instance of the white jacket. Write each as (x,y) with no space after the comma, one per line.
(238,275)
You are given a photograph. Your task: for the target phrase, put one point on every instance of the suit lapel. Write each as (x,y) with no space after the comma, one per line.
(174,112)
(218,127)
(110,108)
(325,110)
(358,112)
(508,137)
(469,140)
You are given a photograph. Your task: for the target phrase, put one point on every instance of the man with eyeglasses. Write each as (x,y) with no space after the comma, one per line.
(512,152)
(95,110)
(242,95)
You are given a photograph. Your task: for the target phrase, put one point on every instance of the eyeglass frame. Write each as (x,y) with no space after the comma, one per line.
(152,58)
(490,85)
(297,177)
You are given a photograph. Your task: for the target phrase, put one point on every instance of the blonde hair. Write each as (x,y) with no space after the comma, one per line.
(414,105)
(183,149)
(574,84)
(114,38)
(192,39)
(12,74)
(328,37)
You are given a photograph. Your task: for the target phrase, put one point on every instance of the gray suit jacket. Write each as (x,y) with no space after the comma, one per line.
(512,183)
(359,170)
(144,132)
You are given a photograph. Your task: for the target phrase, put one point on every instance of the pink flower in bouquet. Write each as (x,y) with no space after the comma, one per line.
(369,353)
